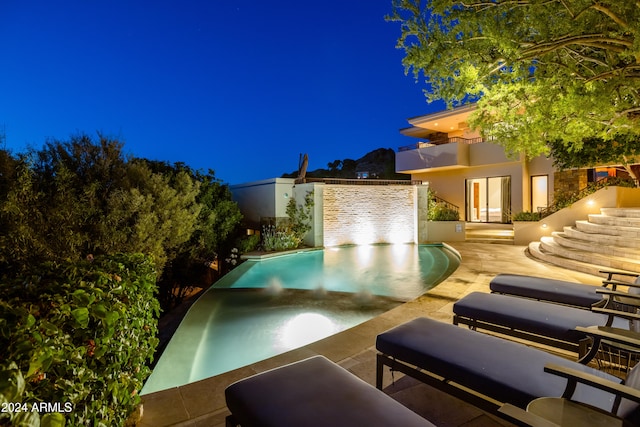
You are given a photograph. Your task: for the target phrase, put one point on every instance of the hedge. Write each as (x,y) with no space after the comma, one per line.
(75,341)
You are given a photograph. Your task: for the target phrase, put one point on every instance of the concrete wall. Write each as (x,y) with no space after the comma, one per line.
(365,214)
(453,154)
(608,197)
(265,198)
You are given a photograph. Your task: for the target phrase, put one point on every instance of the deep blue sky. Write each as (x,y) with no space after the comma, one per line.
(240,87)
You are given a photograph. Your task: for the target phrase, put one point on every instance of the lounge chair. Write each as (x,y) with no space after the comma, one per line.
(545,323)
(313,392)
(488,371)
(559,291)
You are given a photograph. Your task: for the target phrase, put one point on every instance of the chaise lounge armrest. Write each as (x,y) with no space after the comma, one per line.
(611,273)
(574,377)
(610,293)
(615,283)
(553,411)
(630,302)
(616,336)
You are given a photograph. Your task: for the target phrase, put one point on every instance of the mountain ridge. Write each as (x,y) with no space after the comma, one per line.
(377,164)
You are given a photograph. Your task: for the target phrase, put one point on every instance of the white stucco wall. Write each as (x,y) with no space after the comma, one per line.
(265,198)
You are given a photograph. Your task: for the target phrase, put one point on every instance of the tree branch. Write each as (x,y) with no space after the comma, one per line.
(608,12)
(599,41)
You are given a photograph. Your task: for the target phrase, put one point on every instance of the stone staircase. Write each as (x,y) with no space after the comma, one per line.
(609,240)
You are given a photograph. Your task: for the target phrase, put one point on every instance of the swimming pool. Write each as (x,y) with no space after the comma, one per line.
(264,308)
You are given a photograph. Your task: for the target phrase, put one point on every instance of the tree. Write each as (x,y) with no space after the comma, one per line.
(79,197)
(300,216)
(597,152)
(566,71)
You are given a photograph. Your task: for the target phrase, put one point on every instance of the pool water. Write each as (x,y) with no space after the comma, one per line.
(264,308)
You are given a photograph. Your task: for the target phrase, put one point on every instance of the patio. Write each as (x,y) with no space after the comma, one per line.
(202,403)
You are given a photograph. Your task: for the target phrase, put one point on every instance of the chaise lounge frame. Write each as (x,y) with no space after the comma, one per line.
(561,292)
(439,373)
(584,347)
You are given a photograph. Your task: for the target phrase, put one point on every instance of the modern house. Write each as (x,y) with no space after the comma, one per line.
(452,160)
(478,176)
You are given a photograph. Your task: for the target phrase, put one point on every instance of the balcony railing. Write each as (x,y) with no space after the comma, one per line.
(431,143)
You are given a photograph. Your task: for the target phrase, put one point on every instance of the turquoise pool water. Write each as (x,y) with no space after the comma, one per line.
(264,308)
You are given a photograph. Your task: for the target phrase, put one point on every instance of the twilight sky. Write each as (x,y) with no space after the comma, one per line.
(240,87)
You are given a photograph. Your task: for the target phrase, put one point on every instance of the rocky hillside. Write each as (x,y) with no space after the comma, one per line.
(380,164)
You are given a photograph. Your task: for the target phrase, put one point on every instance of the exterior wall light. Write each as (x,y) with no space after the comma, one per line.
(544,225)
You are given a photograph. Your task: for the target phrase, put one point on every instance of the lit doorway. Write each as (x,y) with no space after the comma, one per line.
(489,199)
(539,192)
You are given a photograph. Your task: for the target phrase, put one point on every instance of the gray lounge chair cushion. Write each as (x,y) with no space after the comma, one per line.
(546,319)
(314,392)
(498,368)
(540,288)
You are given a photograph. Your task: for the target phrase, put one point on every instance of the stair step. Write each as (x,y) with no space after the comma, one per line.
(608,248)
(621,212)
(589,227)
(622,263)
(618,221)
(537,252)
(602,239)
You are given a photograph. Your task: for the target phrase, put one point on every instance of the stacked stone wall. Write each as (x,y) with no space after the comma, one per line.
(362,214)
(569,181)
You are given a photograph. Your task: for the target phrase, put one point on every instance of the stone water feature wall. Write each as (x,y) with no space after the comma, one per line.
(365,214)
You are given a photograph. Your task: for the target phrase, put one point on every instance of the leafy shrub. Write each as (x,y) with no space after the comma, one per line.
(248,243)
(300,216)
(441,212)
(78,335)
(82,196)
(527,216)
(277,239)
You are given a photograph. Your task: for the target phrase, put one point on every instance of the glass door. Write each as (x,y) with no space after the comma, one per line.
(489,199)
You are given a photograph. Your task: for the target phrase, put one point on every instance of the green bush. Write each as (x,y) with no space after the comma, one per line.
(275,239)
(78,337)
(248,243)
(441,212)
(527,216)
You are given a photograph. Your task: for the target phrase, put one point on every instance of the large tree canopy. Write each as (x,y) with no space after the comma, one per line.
(542,70)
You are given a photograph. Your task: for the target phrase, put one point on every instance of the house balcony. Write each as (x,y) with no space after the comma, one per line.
(451,153)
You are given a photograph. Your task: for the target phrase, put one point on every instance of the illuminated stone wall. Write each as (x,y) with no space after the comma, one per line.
(365,214)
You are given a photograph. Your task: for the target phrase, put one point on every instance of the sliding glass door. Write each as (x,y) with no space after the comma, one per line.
(489,199)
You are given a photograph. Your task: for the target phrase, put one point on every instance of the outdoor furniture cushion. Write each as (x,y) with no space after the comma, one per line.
(497,368)
(512,315)
(539,288)
(313,392)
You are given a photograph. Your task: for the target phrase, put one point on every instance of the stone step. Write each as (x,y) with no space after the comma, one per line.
(616,221)
(537,252)
(499,241)
(602,239)
(589,227)
(622,212)
(606,248)
(548,244)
